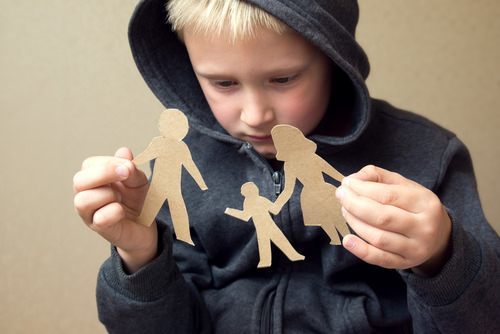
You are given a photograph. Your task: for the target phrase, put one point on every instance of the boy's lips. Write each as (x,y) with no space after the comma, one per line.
(259,137)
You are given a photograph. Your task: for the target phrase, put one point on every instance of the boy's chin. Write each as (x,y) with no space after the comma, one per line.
(266,150)
(267,154)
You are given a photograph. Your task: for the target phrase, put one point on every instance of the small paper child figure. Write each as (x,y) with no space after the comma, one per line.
(317,199)
(258,208)
(171,154)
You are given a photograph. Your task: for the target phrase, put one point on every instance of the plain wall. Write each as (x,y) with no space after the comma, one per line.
(69,89)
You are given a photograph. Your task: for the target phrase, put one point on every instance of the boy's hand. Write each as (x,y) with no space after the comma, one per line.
(109,194)
(399,223)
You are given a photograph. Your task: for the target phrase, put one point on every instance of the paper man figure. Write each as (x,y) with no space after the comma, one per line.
(171,154)
(258,208)
(317,199)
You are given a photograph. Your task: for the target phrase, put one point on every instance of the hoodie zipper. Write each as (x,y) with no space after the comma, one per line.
(267,316)
(278,182)
(266,320)
(277,176)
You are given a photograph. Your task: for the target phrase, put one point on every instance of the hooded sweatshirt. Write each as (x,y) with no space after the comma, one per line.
(215,286)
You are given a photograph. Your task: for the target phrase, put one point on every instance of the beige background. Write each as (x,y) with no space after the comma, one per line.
(69,90)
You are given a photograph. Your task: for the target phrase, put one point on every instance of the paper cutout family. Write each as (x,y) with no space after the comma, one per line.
(300,163)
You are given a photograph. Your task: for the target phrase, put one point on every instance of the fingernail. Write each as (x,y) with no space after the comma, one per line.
(98,217)
(122,171)
(340,192)
(346,181)
(349,244)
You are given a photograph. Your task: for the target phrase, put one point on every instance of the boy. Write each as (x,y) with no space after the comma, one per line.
(237,68)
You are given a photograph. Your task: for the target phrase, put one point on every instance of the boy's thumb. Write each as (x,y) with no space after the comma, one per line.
(124,153)
(136,178)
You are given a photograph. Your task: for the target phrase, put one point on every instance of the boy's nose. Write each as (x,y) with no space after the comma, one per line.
(256,110)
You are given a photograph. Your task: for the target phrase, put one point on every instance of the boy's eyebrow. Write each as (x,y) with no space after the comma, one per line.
(272,72)
(212,75)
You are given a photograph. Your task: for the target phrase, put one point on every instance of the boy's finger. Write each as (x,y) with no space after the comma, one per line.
(87,202)
(403,197)
(381,239)
(121,155)
(101,160)
(380,175)
(136,178)
(107,217)
(385,217)
(102,174)
(371,254)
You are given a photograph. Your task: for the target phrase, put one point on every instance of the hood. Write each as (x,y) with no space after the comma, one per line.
(330,25)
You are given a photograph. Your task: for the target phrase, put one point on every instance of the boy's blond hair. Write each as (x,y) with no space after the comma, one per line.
(235,19)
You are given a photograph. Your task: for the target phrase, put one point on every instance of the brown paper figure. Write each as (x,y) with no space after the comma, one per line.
(258,208)
(171,154)
(317,199)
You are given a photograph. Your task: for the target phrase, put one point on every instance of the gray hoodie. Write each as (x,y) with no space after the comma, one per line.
(215,285)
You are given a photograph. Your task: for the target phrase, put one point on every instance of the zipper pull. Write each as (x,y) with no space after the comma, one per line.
(277,179)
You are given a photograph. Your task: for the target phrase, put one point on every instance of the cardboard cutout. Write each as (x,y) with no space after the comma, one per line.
(317,199)
(257,208)
(171,154)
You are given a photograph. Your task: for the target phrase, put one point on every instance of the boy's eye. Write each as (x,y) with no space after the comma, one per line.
(283,80)
(225,83)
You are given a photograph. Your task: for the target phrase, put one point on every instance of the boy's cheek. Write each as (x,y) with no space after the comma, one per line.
(226,114)
(301,110)
(222,105)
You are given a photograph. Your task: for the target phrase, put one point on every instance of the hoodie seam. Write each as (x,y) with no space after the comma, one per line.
(354,76)
(421,122)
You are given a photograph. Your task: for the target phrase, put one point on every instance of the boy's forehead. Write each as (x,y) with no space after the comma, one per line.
(271,51)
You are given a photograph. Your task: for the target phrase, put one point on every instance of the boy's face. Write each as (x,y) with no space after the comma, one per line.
(255,84)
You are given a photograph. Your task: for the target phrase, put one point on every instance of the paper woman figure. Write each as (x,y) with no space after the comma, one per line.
(258,208)
(317,199)
(171,154)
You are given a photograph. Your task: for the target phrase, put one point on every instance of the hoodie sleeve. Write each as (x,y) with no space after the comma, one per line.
(465,296)
(155,299)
